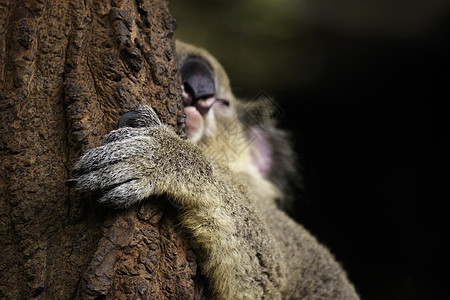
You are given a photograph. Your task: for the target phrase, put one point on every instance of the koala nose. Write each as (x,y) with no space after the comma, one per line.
(203,101)
(198,84)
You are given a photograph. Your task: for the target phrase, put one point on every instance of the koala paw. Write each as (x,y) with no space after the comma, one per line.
(122,169)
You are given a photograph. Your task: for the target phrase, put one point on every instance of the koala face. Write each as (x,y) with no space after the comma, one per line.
(207,95)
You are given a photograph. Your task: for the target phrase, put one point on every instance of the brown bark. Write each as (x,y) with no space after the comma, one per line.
(68,69)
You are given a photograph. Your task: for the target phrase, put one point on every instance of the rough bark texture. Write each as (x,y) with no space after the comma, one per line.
(68,69)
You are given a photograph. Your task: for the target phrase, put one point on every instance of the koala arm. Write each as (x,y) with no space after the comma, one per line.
(236,250)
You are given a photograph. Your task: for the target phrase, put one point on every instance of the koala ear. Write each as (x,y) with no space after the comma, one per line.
(274,158)
(128,119)
(262,151)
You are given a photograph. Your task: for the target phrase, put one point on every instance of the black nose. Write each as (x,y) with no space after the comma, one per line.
(198,80)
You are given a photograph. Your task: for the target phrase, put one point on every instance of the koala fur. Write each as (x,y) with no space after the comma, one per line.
(247,247)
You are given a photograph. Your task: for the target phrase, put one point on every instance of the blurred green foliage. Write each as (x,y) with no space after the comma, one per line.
(282,45)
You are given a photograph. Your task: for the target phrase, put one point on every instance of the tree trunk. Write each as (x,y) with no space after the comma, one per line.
(68,70)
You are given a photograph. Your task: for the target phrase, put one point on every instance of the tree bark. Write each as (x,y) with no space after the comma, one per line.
(68,70)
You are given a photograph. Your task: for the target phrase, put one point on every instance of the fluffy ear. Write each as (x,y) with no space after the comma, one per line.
(273,156)
(262,150)
(272,152)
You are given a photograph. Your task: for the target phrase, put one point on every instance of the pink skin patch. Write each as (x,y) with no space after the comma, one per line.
(194,120)
(261,151)
(194,114)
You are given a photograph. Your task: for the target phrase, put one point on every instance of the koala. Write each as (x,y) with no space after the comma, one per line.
(226,181)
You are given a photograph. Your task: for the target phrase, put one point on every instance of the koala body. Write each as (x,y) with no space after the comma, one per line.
(225,182)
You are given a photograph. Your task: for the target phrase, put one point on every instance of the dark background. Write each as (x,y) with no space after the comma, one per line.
(363,86)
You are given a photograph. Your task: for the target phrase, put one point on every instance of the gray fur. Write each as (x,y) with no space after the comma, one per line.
(247,247)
